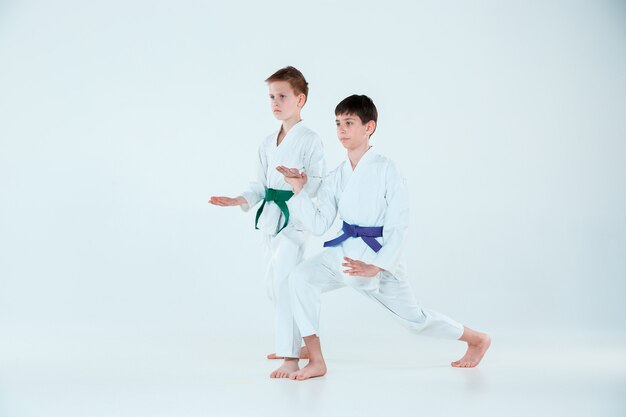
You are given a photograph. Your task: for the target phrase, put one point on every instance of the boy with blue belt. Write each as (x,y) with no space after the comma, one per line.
(369,194)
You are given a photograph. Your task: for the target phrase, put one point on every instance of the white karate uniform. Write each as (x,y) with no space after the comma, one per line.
(301,148)
(374,194)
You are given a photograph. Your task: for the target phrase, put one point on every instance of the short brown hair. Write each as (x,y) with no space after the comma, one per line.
(293,77)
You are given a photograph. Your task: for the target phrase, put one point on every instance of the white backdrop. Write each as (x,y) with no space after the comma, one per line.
(118,119)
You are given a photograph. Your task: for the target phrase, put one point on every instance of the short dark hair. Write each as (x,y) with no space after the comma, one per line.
(295,79)
(358,105)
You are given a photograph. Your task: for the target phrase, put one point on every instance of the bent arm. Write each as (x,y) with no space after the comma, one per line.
(318,216)
(314,166)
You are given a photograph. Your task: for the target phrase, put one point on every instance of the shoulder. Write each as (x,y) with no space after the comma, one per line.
(389,167)
(305,130)
(269,139)
(334,175)
(309,136)
(338,169)
(268,142)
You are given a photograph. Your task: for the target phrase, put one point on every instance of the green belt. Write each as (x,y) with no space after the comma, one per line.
(279,197)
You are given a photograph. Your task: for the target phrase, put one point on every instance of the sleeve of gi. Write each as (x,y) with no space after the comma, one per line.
(314,165)
(317,217)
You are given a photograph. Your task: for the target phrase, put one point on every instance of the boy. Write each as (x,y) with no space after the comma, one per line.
(295,145)
(369,193)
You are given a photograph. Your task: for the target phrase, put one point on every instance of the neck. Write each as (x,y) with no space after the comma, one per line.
(356,154)
(291,122)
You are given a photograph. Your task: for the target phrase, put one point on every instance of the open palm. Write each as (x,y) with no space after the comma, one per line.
(293,177)
(226,201)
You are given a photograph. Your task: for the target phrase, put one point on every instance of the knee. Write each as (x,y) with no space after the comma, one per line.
(298,278)
(362,283)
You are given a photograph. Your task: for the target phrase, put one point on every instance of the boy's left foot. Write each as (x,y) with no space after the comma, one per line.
(475,352)
(289,366)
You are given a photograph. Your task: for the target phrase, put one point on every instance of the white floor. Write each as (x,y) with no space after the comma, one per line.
(114,373)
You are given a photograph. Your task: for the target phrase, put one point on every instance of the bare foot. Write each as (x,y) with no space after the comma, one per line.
(475,351)
(304,354)
(289,366)
(274,356)
(312,370)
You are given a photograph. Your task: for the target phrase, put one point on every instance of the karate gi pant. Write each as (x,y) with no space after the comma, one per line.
(323,272)
(284,252)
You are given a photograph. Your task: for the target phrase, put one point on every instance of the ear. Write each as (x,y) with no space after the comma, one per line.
(370,127)
(301,99)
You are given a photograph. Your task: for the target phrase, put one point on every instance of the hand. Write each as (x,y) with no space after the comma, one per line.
(359,268)
(293,177)
(227,201)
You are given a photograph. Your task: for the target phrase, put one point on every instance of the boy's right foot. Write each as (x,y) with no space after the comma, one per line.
(289,366)
(312,370)
(476,348)
(304,354)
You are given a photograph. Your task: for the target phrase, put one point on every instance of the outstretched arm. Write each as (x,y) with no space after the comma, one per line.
(227,201)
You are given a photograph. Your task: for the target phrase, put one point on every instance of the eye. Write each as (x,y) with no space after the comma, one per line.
(282,96)
(272,96)
(349,123)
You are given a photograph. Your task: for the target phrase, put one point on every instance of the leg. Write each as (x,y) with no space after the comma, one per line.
(307,282)
(286,254)
(477,345)
(316,366)
(396,296)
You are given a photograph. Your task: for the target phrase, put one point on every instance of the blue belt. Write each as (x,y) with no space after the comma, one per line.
(366,233)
